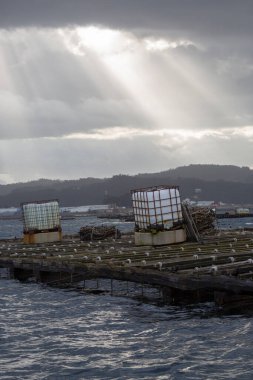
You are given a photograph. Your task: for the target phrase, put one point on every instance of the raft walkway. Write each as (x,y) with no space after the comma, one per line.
(219,269)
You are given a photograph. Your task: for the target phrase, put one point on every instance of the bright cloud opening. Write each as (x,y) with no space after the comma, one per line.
(116,133)
(162,44)
(101,41)
(119,93)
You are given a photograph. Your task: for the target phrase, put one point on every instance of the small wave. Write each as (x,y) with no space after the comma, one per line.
(49,334)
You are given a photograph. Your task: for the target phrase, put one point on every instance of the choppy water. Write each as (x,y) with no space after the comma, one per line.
(54,334)
(51,334)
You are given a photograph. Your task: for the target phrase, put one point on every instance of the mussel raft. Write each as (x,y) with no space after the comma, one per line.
(219,269)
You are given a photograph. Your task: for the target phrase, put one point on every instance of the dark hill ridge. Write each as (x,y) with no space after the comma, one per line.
(210,173)
(226,183)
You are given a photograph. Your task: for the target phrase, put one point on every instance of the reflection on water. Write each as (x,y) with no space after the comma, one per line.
(53,334)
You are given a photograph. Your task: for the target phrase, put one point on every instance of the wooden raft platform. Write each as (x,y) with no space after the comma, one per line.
(219,269)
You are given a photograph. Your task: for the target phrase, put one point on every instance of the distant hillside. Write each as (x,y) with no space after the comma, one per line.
(230,184)
(210,173)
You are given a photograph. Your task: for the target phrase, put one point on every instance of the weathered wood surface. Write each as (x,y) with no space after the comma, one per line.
(204,219)
(224,263)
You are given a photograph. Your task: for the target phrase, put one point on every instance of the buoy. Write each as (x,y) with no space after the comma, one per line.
(214,269)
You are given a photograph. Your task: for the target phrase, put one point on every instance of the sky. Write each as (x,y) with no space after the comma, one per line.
(95,88)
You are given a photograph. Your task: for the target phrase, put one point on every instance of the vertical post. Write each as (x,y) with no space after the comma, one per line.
(111,286)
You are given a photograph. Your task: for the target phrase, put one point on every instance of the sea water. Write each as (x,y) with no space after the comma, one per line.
(11,228)
(55,334)
(50,334)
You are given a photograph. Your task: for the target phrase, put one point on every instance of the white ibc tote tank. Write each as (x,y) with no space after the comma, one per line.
(158,206)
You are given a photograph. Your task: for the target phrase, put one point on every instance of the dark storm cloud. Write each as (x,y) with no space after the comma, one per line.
(227,16)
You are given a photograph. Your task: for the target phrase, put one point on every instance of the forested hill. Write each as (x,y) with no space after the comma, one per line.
(230,184)
(210,173)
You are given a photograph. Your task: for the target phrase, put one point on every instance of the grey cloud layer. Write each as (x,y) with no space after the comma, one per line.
(65,159)
(48,91)
(197,90)
(218,17)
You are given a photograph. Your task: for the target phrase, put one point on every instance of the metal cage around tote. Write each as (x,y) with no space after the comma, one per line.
(157,207)
(41,216)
